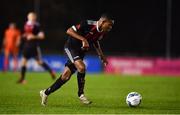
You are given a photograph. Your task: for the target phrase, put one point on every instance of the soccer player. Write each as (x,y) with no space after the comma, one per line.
(11,45)
(80,38)
(32,36)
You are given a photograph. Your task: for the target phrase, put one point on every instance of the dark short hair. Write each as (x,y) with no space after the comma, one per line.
(107,16)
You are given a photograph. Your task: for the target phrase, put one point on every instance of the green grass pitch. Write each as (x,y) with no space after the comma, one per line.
(161,95)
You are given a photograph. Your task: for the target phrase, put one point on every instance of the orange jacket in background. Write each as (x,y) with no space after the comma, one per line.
(12,36)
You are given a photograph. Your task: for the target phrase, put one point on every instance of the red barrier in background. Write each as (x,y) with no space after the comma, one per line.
(143,66)
(167,67)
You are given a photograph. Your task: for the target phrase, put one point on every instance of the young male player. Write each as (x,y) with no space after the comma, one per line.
(80,38)
(32,37)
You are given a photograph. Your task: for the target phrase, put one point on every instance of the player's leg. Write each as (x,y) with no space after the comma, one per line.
(60,81)
(15,58)
(23,71)
(6,59)
(68,71)
(44,64)
(76,57)
(81,68)
(27,54)
(47,68)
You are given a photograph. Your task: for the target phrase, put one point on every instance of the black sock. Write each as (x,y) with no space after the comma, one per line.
(81,82)
(58,83)
(23,71)
(46,67)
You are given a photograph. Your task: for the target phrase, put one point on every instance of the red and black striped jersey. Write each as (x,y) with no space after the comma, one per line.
(31,28)
(88,29)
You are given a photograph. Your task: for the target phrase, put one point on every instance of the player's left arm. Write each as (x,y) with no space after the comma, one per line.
(100,53)
(41,35)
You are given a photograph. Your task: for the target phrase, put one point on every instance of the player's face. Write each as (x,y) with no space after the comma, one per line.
(12,26)
(107,25)
(32,17)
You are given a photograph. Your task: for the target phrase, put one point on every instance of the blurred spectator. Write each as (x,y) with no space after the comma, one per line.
(11,45)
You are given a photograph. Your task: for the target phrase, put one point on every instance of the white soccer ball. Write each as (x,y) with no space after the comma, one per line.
(133,99)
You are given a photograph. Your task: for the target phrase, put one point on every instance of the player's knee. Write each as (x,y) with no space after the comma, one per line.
(81,68)
(39,62)
(24,62)
(66,75)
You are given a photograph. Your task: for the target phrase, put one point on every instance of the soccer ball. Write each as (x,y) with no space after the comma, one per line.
(133,99)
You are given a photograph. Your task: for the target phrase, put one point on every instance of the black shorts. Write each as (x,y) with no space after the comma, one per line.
(32,52)
(73,55)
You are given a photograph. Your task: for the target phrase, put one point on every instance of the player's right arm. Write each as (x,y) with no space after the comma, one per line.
(73,33)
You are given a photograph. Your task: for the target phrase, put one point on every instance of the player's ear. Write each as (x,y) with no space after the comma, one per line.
(112,22)
(100,21)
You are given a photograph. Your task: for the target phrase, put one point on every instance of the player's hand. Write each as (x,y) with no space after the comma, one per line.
(104,60)
(31,36)
(85,44)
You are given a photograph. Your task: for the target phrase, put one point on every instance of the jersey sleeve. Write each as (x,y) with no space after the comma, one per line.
(81,26)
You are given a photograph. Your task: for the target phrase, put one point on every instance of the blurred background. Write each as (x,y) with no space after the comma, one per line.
(143,28)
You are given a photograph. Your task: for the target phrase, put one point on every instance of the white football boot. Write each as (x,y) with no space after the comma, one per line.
(84,100)
(43,97)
